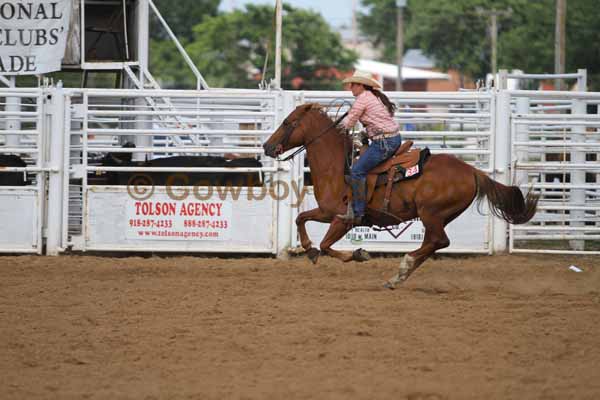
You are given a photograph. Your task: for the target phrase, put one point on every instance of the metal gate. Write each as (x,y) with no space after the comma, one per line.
(555,150)
(141,215)
(22,189)
(455,123)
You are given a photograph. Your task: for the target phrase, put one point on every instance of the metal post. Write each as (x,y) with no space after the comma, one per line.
(13,122)
(125,35)
(278,23)
(522,135)
(501,164)
(577,198)
(582,80)
(143,16)
(141,122)
(284,206)
(290,101)
(502,80)
(400,4)
(559,41)
(57,164)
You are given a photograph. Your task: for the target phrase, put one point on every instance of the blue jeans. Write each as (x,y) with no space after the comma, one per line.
(379,151)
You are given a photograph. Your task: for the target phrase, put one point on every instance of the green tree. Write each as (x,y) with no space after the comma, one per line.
(379,24)
(230,49)
(527,43)
(181,17)
(455,34)
(166,63)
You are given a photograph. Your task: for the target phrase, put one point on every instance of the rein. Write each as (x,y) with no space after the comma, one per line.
(290,128)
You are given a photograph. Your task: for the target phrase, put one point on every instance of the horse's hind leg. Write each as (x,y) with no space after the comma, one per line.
(316,214)
(336,231)
(435,239)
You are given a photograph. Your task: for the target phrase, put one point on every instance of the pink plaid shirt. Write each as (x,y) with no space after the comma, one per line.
(371,112)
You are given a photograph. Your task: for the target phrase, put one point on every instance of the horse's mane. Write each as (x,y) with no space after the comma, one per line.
(322,110)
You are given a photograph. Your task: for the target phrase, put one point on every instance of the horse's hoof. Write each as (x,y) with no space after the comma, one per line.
(389,285)
(313,254)
(360,255)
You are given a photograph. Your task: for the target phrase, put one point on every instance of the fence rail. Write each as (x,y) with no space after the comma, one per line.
(547,142)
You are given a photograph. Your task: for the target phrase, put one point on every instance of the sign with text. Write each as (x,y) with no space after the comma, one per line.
(167,219)
(33,35)
(410,231)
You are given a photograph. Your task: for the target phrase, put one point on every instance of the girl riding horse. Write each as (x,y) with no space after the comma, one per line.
(376,113)
(444,190)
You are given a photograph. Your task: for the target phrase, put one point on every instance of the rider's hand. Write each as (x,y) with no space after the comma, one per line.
(364,137)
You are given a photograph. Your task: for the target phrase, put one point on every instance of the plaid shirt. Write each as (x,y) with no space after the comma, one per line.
(372,114)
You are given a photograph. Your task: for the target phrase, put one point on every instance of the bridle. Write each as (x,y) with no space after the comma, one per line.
(289,129)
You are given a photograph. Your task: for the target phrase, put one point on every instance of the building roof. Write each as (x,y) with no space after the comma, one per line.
(390,71)
(416,59)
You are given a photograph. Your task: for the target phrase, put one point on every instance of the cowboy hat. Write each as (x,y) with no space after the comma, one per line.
(363,78)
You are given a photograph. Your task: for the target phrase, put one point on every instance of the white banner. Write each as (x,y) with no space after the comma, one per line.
(33,35)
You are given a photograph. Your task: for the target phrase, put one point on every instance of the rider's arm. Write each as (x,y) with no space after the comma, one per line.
(358,109)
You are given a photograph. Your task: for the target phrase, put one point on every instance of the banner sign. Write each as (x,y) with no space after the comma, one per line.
(33,35)
(163,218)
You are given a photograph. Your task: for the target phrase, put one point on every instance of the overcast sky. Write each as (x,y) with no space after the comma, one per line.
(336,12)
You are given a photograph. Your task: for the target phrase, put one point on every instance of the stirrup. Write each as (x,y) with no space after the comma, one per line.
(349,217)
(354,220)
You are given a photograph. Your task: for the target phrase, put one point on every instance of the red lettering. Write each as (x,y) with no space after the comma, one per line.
(150,208)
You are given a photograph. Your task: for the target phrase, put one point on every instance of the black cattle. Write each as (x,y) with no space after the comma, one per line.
(119,178)
(12,178)
(181,178)
(203,178)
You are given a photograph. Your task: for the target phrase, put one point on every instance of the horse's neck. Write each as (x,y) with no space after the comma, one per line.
(326,159)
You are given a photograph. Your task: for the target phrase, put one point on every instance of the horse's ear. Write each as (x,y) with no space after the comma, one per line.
(315,106)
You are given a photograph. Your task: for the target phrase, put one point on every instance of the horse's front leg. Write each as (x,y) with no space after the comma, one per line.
(316,214)
(336,231)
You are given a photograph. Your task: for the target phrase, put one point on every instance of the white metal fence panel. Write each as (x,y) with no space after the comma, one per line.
(458,123)
(164,123)
(555,148)
(22,176)
(550,140)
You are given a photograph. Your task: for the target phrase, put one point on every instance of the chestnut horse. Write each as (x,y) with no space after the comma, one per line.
(445,189)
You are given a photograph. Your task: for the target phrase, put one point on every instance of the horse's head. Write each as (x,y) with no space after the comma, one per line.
(291,133)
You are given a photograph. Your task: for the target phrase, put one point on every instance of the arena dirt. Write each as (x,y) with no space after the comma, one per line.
(504,327)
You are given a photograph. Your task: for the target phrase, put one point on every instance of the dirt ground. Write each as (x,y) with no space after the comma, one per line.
(503,327)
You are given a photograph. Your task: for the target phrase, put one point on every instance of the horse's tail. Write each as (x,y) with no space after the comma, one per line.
(505,202)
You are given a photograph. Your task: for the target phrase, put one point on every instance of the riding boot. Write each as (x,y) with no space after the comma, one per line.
(356,210)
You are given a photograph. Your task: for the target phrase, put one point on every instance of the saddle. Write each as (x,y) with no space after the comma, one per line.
(406,163)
